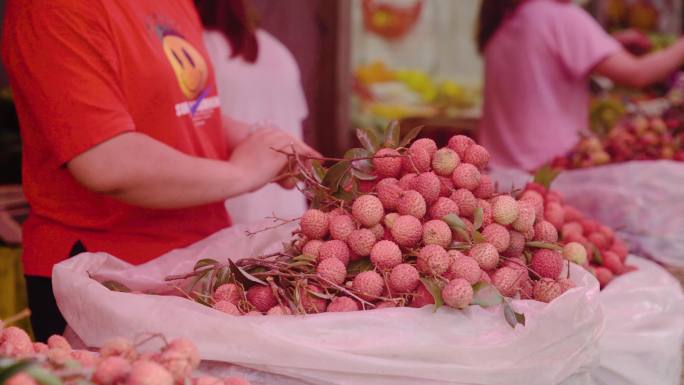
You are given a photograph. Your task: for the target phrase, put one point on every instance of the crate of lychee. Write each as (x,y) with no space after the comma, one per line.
(409,268)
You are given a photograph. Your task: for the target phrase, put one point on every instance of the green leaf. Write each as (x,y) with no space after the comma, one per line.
(368,139)
(454,221)
(359,266)
(486,295)
(305,258)
(362,175)
(12,369)
(392,134)
(408,138)
(202,263)
(357,152)
(477,221)
(544,245)
(243,276)
(116,286)
(344,195)
(546,175)
(435,289)
(318,171)
(335,174)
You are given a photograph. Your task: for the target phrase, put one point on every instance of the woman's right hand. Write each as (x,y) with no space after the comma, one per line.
(258,159)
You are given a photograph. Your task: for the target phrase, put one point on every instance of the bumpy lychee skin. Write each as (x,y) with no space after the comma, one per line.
(378,231)
(314,224)
(428,185)
(385,305)
(487,214)
(458,293)
(498,236)
(516,246)
(566,284)
(485,254)
(443,207)
(388,190)
(341,226)
(436,232)
(111,370)
(537,201)
(385,255)
(476,155)
(444,161)
(361,242)
(438,264)
(571,228)
(368,285)
(599,240)
(311,247)
(613,262)
(119,347)
(334,249)
(39,347)
(310,302)
(546,290)
(545,232)
(547,263)
(426,144)
(145,372)
(422,297)
(261,297)
(460,144)
(572,214)
(368,210)
(404,278)
(387,162)
(416,160)
(407,231)
(437,254)
(226,307)
(180,358)
(58,357)
(406,181)
(507,280)
(620,248)
(446,186)
(57,341)
(575,252)
(85,358)
(279,310)
(253,313)
(228,292)
(469,230)
(342,304)
(14,342)
(603,275)
(465,267)
(505,209)
(389,219)
(590,226)
(412,203)
(332,270)
(526,216)
(529,235)
(486,188)
(466,176)
(608,233)
(466,201)
(554,213)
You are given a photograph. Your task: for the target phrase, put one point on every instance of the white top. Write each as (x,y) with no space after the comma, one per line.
(268,90)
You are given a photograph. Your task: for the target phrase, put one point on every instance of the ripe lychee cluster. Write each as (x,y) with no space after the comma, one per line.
(585,241)
(116,363)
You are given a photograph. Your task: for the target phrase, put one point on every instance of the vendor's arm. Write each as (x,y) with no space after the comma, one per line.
(139,170)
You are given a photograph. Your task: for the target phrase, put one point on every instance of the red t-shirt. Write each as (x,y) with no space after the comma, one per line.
(83,72)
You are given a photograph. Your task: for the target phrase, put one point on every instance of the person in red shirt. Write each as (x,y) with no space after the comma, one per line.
(123,141)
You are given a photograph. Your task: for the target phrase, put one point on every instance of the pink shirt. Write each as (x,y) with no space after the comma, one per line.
(536,94)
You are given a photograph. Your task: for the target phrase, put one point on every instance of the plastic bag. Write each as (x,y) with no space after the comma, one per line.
(642,341)
(639,199)
(394,346)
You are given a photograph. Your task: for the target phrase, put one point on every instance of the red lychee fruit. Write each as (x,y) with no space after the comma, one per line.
(433,259)
(599,240)
(406,181)
(444,161)
(486,207)
(428,185)
(14,342)
(619,248)
(554,213)
(498,236)
(388,191)
(458,293)
(476,155)
(341,226)
(460,143)
(333,249)
(572,214)
(547,263)
(111,370)
(314,224)
(575,252)
(332,270)
(566,284)
(485,254)
(544,231)
(507,280)
(361,242)
(504,209)
(311,247)
(526,216)
(443,207)
(368,285)
(537,202)
(422,297)
(417,159)
(58,342)
(411,203)
(403,278)
(261,297)
(571,228)
(310,302)
(342,304)
(378,231)
(466,176)
(546,290)
(228,292)
(486,188)
(387,162)
(368,210)
(465,267)
(385,255)
(446,186)
(516,246)
(612,262)
(436,232)
(119,347)
(603,275)
(279,310)
(145,372)
(407,231)
(466,202)
(226,307)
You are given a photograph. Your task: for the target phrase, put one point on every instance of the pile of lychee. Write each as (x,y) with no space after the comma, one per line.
(430,226)
(585,241)
(118,362)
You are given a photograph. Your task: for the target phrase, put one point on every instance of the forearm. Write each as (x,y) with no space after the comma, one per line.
(642,71)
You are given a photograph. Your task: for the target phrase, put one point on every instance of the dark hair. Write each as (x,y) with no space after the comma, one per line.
(235,19)
(492,14)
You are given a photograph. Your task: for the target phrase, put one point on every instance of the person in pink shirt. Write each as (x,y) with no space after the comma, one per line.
(538,56)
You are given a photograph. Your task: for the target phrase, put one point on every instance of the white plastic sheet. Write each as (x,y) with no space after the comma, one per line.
(394,346)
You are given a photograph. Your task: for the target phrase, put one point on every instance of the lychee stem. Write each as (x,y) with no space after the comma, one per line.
(520,264)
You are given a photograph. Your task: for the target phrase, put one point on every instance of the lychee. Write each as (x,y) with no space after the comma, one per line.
(571,228)
(444,161)
(443,207)
(465,267)
(389,219)
(406,181)
(529,235)
(314,224)
(486,188)
(460,143)
(180,358)
(368,285)
(619,248)
(385,255)
(572,214)
(566,284)
(468,230)
(526,216)
(435,252)
(466,176)
(261,297)
(589,226)
(504,209)
(252,313)
(537,202)
(311,247)
(111,370)
(403,278)
(446,186)
(426,144)
(487,217)
(20,379)
(145,372)
(476,155)
(507,280)
(39,347)
(341,226)
(342,304)
(554,213)
(422,297)
(485,254)
(407,230)
(387,162)
(417,159)
(458,293)
(466,202)
(546,290)
(310,302)
(226,307)
(599,240)
(388,190)
(498,236)
(484,277)
(378,231)
(608,233)
(436,232)
(428,185)
(516,246)
(57,341)
(368,210)
(361,241)
(411,203)
(547,263)
(208,380)
(603,275)
(545,232)
(333,249)
(279,310)
(119,347)
(526,289)
(612,262)
(575,252)
(332,270)
(14,342)
(228,292)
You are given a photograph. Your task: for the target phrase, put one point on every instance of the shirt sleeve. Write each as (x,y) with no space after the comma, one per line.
(581,43)
(63,64)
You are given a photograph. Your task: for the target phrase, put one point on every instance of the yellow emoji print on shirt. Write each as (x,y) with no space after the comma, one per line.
(188,64)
